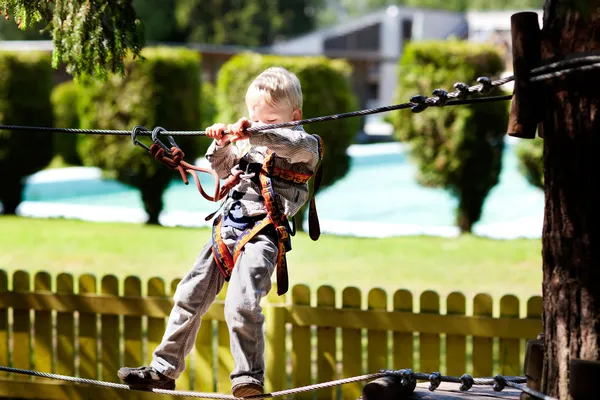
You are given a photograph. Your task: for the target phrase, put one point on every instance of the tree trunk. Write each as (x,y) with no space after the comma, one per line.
(468,210)
(464,222)
(11,195)
(571,256)
(153,203)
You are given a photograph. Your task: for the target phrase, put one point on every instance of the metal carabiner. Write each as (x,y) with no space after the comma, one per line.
(155,139)
(134,132)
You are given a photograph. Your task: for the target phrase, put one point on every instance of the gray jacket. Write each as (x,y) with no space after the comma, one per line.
(294,150)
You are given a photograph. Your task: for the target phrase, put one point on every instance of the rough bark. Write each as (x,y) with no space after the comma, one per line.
(571,244)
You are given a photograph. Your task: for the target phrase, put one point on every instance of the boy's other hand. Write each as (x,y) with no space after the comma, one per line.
(216,132)
(238,130)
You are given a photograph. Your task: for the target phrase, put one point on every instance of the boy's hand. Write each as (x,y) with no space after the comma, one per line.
(216,132)
(238,130)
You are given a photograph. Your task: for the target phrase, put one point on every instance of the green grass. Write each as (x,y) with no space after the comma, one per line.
(467,264)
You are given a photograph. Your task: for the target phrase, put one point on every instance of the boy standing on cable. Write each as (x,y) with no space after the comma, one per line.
(250,236)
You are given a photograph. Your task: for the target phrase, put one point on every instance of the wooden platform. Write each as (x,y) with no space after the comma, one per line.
(451,391)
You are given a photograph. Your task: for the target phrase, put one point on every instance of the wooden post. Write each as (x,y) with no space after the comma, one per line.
(583,375)
(525,107)
(534,361)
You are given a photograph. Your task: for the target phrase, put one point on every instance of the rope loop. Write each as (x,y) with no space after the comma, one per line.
(486,84)
(419,102)
(442,97)
(407,378)
(435,379)
(463,90)
(499,383)
(467,382)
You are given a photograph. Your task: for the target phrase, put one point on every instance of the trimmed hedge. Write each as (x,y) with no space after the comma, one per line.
(208,104)
(457,148)
(64,105)
(530,154)
(326,90)
(162,90)
(25,87)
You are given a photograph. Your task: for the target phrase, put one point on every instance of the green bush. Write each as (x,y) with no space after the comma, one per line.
(531,160)
(64,105)
(326,90)
(458,148)
(25,86)
(162,90)
(208,104)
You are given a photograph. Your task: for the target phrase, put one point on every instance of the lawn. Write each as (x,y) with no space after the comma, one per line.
(467,264)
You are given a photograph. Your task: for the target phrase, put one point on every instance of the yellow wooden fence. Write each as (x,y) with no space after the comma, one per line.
(89,328)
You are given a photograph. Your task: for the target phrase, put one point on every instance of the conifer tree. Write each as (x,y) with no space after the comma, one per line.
(90,37)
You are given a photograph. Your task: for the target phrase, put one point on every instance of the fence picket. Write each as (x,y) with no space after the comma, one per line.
(156,325)
(301,349)
(509,348)
(326,360)
(21,354)
(403,354)
(275,334)
(132,326)
(184,381)
(376,339)
(534,309)
(88,332)
(110,334)
(482,346)
(456,346)
(351,346)
(42,348)
(429,343)
(65,330)
(4,349)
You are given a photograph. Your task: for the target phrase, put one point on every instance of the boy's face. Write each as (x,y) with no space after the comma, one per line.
(263,113)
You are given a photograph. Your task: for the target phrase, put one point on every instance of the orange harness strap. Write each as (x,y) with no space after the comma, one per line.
(275,216)
(226,261)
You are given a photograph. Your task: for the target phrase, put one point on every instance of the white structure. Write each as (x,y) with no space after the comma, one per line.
(374,43)
(379,37)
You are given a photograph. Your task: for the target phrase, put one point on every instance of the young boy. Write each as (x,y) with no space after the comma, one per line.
(275,96)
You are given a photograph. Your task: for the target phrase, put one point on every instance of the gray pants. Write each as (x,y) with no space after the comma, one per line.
(250,282)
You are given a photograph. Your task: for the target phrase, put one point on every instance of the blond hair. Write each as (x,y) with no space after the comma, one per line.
(279,86)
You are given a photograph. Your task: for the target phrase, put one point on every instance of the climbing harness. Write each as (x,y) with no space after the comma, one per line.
(262,175)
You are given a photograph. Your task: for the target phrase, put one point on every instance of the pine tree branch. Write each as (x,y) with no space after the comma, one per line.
(91,37)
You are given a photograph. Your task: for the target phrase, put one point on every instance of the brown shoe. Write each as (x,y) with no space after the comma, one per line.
(246,389)
(145,378)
